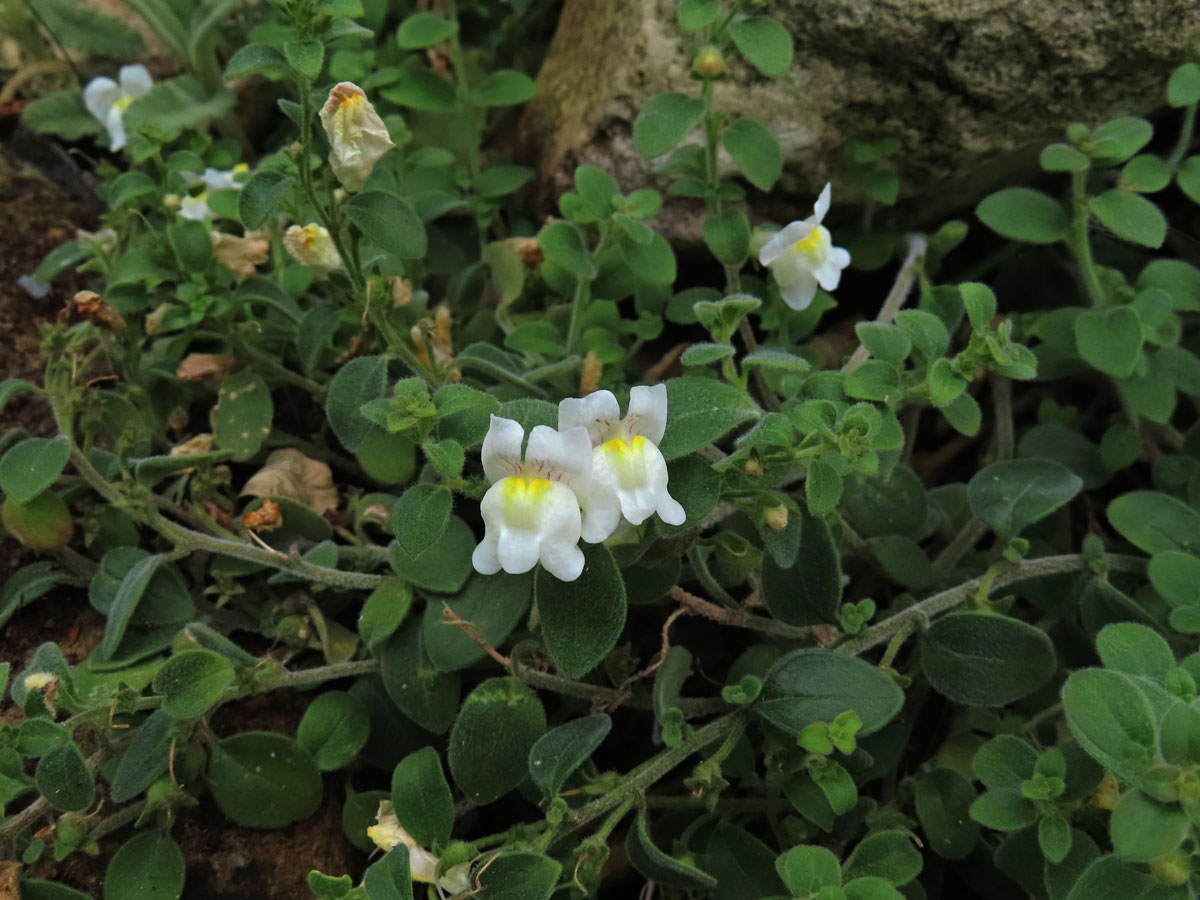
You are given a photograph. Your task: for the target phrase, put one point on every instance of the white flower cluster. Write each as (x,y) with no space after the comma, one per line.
(580,480)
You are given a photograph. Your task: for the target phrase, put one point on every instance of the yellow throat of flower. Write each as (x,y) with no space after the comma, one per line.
(810,243)
(628,459)
(523,499)
(122,103)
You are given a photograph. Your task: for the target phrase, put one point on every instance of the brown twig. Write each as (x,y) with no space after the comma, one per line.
(736,618)
(625,688)
(473,632)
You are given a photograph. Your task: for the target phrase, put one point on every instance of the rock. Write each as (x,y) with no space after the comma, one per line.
(971,88)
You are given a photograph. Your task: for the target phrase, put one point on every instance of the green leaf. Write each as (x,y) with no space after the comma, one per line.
(1117,140)
(727,234)
(129,186)
(192,682)
(809,591)
(64,780)
(1054,837)
(562,750)
(36,889)
(980,304)
(656,865)
(823,488)
(261,779)
(421,516)
(148,866)
(706,354)
(356,383)
(742,864)
(147,757)
(421,797)
(500,181)
(1183,87)
(1004,809)
(582,619)
(493,604)
(1061,877)
(1110,339)
(772,358)
(61,113)
(765,43)
(1011,495)
(1130,216)
(756,152)
(126,599)
(1021,214)
(1070,448)
(652,262)
(444,567)
(33,465)
(1145,174)
(1135,649)
(85,28)
(1188,177)
(696,14)
(260,196)
(192,245)
(943,798)
(1155,522)
(665,121)
(981,659)
(424,29)
(519,876)
(963,414)
(700,411)
(255,59)
(1176,577)
(391,877)
(423,89)
(893,505)
(505,87)
(884,342)
(1063,158)
(496,728)
(811,685)
(173,106)
(389,223)
(26,585)
(806,869)
(1144,830)
(889,855)
(334,728)
(305,57)
(384,610)
(563,245)
(241,420)
(1111,719)
(1108,878)
(423,694)
(44,523)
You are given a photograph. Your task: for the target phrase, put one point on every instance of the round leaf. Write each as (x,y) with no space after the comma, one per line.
(1155,522)
(980,659)
(1130,216)
(64,780)
(421,797)
(756,151)
(33,465)
(1026,215)
(765,43)
(560,751)
(389,223)
(582,619)
(148,866)
(665,121)
(192,682)
(261,779)
(334,728)
(1012,494)
(496,728)
(260,196)
(811,685)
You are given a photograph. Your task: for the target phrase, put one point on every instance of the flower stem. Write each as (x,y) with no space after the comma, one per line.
(1079,239)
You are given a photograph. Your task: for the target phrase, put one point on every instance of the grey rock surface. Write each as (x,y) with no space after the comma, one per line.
(972,88)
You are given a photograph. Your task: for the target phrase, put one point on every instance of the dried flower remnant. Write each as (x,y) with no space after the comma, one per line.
(240,255)
(95,309)
(205,367)
(267,517)
(357,136)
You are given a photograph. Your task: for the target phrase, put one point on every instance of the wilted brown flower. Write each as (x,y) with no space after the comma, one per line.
(529,250)
(289,473)
(201,443)
(96,310)
(240,254)
(402,291)
(205,367)
(266,518)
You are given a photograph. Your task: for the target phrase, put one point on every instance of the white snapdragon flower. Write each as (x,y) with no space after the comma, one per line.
(387,833)
(802,256)
(537,510)
(196,207)
(626,459)
(107,100)
(312,246)
(357,136)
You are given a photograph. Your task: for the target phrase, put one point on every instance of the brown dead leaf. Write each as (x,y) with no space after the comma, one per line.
(96,310)
(201,443)
(240,254)
(289,473)
(266,518)
(205,367)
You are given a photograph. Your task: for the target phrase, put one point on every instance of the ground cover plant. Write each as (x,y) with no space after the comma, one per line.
(593,573)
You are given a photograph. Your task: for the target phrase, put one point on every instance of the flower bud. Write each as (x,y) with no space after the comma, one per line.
(312,246)
(295,149)
(357,136)
(172,201)
(36,681)
(753,466)
(776,517)
(709,63)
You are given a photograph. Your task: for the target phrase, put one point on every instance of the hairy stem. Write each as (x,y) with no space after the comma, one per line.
(917,245)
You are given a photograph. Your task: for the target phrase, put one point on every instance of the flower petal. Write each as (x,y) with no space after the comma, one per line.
(501,451)
(135,80)
(564,456)
(828,275)
(562,560)
(595,412)
(784,238)
(600,508)
(116,128)
(195,208)
(99,96)
(517,550)
(798,289)
(647,414)
(822,205)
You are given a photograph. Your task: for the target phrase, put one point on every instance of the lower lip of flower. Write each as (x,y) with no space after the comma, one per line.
(628,459)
